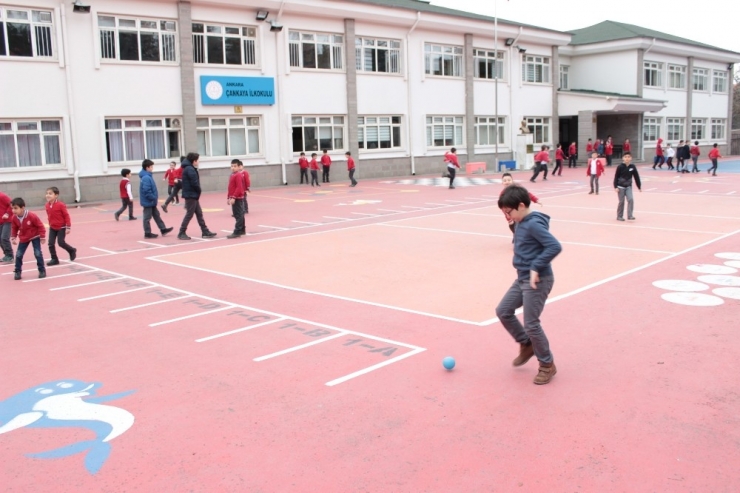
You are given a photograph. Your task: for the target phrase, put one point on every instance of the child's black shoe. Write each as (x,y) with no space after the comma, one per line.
(17,276)
(42,274)
(52,262)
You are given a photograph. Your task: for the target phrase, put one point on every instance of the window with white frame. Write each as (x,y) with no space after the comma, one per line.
(378,55)
(26,33)
(536,69)
(676,76)
(701,79)
(698,131)
(565,77)
(135,139)
(486,130)
(379,132)
(314,133)
(539,127)
(216,44)
(653,74)
(27,143)
(139,40)
(650,129)
(718,128)
(232,136)
(316,50)
(719,81)
(489,64)
(443,60)
(675,128)
(444,131)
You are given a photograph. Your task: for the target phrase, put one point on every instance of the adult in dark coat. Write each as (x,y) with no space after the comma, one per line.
(191,194)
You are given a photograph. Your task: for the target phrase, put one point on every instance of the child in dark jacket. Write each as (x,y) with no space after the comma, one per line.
(60,226)
(148,197)
(27,229)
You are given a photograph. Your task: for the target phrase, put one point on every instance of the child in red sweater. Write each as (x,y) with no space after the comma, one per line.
(559,157)
(235,198)
(713,156)
(303,163)
(171,175)
(247,183)
(5,219)
(314,166)
(127,196)
(27,229)
(59,225)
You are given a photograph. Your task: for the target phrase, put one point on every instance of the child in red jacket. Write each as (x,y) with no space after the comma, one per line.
(314,166)
(559,157)
(713,156)
(235,198)
(303,163)
(27,228)
(594,169)
(247,183)
(59,225)
(6,213)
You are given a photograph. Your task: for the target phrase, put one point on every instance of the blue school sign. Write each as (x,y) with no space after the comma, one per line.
(232,91)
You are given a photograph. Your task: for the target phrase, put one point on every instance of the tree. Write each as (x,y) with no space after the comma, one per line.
(736,104)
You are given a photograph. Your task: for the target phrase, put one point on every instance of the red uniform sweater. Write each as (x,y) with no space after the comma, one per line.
(572,151)
(313,165)
(57,214)
(350,164)
(303,163)
(122,188)
(714,154)
(27,227)
(5,209)
(542,157)
(170,176)
(695,151)
(236,186)
(609,148)
(626,147)
(589,147)
(559,154)
(452,159)
(326,160)
(246,180)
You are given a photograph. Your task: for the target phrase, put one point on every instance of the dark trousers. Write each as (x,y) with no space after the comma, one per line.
(695,160)
(608,160)
(246,204)
(679,163)
(325,175)
(713,169)
(5,239)
(192,206)
(572,161)
(58,235)
(669,162)
(152,213)
(558,167)
(173,190)
(658,161)
(352,177)
(304,174)
(315,177)
(126,203)
(537,169)
(451,172)
(36,253)
(237,210)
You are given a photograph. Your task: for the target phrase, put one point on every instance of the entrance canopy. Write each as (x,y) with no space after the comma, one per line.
(573,101)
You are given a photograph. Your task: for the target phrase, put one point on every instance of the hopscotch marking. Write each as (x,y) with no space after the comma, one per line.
(165,322)
(86,284)
(149,304)
(113,294)
(236,331)
(57,277)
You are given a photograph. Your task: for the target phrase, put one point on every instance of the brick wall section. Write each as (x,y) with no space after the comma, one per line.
(620,127)
(586,130)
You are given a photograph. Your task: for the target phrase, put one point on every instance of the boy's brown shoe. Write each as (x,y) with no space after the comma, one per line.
(526,351)
(547,371)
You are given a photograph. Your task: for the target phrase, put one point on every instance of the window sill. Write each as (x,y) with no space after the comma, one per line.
(34,169)
(8,58)
(390,74)
(658,88)
(370,152)
(540,84)
(318,70)
(677,89)
(113,63)
(482,79)
(444,77)
(224,66)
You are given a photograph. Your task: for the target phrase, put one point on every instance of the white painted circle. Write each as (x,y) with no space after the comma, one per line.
(733,263)
(731,293)
(693,299)
(683,286)
(711,269)
(214,90)
(721,280)
(728,255)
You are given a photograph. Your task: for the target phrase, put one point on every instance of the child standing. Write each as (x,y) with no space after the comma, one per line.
(695,152)
(27,229)
(589,147)
(235,198)
(670,152)
(609,150)
(572,155)
(623,186)
(594,170)
(507,180)
(127,196)
(303,163)
(626,147)
(559,156)
(247,183)
(534,250)
(6,213)
(659,159)
(171,176)
(713,156)
(314,166)
(325,166)
(351,168)
(60,226)
(452,165)
(148,196)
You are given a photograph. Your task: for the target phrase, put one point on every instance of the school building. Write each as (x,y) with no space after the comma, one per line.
(90,89)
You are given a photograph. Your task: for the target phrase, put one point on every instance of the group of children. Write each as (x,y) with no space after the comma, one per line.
(313,166)
(683,152)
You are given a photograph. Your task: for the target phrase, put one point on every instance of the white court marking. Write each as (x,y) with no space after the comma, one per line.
(693,299)
(301,346)
(728,255)
(236,331)
(149,304)
(60,276)
(113,294)
(711,269)
(152,244)
(178,319)
(680,285)
(272,227)
(109,252)
(721,280)
(86,284)
(731,293)
(733,263)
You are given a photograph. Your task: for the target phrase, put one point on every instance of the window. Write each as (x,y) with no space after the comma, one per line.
(314,133)
(676,77)
(650,129)
(137,40)
(378,55)
(488,64)
(26,33)
(443,60)
(719,81)
(718,128)
(316,50)
(135,139)
(675,128)
(701,79)
(536,69)
(653,74)
(540,128)
(379,132)
(224,45)
(444,131)
(228,136)
(486,129)
(25,143)
(564,77)
(697,128)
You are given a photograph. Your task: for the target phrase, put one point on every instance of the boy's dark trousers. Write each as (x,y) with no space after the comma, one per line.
(36,253)
(149,213)
(325,175)
(126,203)
(5,239)
(304,174)
(558,167)
(173,191)
(608,161)
(315,177)
(695,160)
(572,161)
(352,177)
(451,172)
(537,168)
(58,235)
(237,209)
(192,206)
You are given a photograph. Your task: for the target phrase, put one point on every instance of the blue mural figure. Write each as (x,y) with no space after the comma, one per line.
(68,403)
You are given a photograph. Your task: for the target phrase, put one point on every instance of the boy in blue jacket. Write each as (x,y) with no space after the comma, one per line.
(534,250)
(148,197)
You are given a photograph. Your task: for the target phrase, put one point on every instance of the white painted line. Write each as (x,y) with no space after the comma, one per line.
(105,251)
(339,218)
(703,191)
(619,225)
(337,381)
(157,324)
(438,205)
(223,334)
(302,346)
(456,201)
(366,214)
(227,230)
(152,244)
(676,190)
(413,207)
(650,189)
(86,284)
(549,206)
(730,193)
(57,277)
(150,304)
(272,227)
(391,210)
(113,294)
(306,222)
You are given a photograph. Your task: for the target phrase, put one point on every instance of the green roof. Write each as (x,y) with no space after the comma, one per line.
(613,31)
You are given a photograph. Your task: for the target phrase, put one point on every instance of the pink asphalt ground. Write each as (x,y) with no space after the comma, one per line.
(307,355)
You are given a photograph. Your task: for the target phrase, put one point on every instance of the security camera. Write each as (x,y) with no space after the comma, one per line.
(521,50)
(80,7)
(275,26)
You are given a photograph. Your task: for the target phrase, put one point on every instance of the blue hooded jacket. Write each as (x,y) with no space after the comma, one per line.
(148,193)
(534,246)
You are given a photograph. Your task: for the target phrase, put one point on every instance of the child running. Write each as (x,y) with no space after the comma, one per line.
(507,180)
(27,229)
(695,153)
(60,226)
(534,250)
(714,155)
(171,176)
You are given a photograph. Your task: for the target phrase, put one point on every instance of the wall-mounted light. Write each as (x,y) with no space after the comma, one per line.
(262,15)
(521,50)
(509,41)
(80,7)
(275,26)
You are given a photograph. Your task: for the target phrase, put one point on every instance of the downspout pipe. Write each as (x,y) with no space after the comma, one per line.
(280,101)
(70,106)
(408,93)
(512,120)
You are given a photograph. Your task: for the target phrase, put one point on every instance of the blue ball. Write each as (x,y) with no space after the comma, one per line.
(448,362)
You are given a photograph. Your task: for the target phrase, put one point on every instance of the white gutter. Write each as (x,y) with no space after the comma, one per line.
(70,106)
(650,47)
(408,94)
